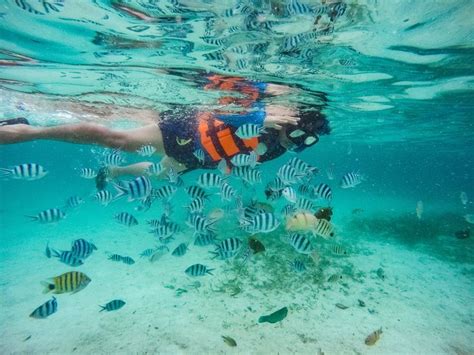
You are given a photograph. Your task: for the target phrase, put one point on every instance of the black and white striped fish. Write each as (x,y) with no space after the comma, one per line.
(290,194)
(250,176)
(137,189)
(27,171)
(276,184)
(126,218)
(82,249)
(180,250)
(302,167)
(260,223)
(303,204)
(323,191)
(298,266)
(199,154)
(228,248)
(306,190)
(208,180)
(294,7)
(49,216)
(155,169)
(204,239)
(164,192)
(113,158)
(67,257)
(289,175)
(300,243)
(146,150)
(196,192)
(88,173)
(164,232)
(323,228)
(288,210)
(339,250)
(200,224)
(127,260)
(147,253)
(115,257)
(351,180)
(103,196)
(112,305)
(245,159)
(196,205)
(227,192)
(198,270)
(249,130)
(74,201)
(46,309)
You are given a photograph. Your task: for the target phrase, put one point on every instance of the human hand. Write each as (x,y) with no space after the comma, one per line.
(277,116)
(276,89)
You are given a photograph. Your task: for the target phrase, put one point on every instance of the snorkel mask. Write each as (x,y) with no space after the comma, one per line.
(300,139)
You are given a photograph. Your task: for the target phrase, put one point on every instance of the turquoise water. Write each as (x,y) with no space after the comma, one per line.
(399,84)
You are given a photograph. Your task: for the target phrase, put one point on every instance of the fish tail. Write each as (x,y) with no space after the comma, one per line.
(121,191)
(209,271)
(33,218)
(56,253)
(103,308)
(5,172)
(215,254)
(47,286)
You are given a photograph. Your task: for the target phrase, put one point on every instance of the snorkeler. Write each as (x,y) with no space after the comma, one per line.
(182,131)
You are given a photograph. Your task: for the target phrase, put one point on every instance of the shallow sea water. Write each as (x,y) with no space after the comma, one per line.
(398,80)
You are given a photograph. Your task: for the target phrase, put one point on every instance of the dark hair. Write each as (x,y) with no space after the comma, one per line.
(313,121)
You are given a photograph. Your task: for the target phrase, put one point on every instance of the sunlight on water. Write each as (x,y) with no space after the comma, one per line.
(348,233)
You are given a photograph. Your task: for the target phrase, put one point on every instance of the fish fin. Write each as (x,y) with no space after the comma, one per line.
(47,286)
(121,191)
(33,218)
(56,253)
(209,271)
(5,172)
(103,308)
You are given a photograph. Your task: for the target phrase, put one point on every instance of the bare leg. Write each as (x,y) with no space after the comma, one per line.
(87,133)
(141,168)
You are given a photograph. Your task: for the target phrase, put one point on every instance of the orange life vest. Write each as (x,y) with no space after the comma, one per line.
(219,140)
(219,82)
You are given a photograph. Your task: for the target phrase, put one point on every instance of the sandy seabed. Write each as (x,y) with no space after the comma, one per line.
(424,304)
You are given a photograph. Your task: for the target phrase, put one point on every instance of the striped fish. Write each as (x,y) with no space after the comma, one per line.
(147,253)
(104,197)
(289,175)
(196,205)
(74,201)
(304,204)
(306,190)
(352,179)
(155,169)
(294,7)
(261,223)
(112,305)
(146,150)
(180,250)
(67,257)
(290,194)
(200,224)
(137,189)
(227,248)
(164,192)
(339,250)
(164,232)
(227,192)
(145,204)
(49,216)
(323,228)
(27,171)
(196,192)
(115,257)
(88,173)
(208,180)
(249,130)
(288,210)
(298,266)
(204,239)
(250,176)
(198,270)
(302,167)
(72,281)
(82,249)
(199,154)
(46,309)
(126,219)
(276,184)
(300,243)
(245,159)
(128,260)
(323,191)
(113,158)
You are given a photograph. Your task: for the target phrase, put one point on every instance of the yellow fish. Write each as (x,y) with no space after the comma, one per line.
(182,141)
(373,337)
(307,222)
(72,281)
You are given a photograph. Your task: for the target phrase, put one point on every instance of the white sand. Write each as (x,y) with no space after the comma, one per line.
(424,305)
